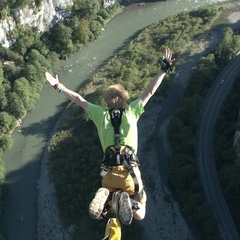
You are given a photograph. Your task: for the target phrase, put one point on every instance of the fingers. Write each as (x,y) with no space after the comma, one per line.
(168,55)
(51,79)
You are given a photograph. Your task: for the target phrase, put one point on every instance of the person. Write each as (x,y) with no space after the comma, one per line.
(122,192)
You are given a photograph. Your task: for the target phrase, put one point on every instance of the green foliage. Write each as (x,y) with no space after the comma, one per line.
(225,154)
(86,9)
(16,106)
(23,89)
(82,33)
(22,70)
(61,37)
(7,122)
(7,5)
(73,168)
(75,148)
(3,98)
(75,159)
(24,63)
(1,75)
(184,126)
(96,28)
(232,41)
(5,142)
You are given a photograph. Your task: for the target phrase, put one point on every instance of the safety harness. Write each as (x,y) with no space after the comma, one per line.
(117,154)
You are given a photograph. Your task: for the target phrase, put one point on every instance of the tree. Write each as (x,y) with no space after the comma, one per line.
(7,122)
(87,9)
(22,3)
(3,98)
(10,55)
(96,28)
(193,201)
(185,177)
(15,105)
(61,38)
(53,59)
(83,33)
(41,47)
(22,88)
(32,74)
(203,212)
(1,75)
(38,60)
(11,72)
(6,142)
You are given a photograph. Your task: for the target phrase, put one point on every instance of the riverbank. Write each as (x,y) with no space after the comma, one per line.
(163,217)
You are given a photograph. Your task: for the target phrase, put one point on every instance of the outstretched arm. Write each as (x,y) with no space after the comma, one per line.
(155,83)
(75,97)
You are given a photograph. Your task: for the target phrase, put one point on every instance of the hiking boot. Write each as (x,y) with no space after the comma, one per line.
(97,205)
(115,200)
(125,208)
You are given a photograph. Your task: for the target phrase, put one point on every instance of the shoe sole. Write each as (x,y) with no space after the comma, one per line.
(125,209)
(97,204)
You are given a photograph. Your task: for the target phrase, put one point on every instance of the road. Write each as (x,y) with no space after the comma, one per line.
(205,149)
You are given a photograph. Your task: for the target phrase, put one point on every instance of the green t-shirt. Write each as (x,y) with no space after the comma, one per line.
(128,129)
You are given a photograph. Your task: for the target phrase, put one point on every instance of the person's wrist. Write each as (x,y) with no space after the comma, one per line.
(165,65)
(56,85)
(59,87)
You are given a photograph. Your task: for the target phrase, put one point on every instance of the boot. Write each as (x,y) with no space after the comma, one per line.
(97,205)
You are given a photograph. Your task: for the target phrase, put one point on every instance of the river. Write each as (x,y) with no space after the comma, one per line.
(23,159)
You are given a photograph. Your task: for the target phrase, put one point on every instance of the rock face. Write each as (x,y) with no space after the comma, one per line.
(49,13)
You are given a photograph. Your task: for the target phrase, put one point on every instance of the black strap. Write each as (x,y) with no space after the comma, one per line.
(165,65)
(133,175)
(116,118)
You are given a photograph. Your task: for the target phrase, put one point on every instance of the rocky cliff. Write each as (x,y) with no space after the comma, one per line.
(49,13)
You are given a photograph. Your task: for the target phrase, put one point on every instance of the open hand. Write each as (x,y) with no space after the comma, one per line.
(168,56)
(51,79)
(167,61)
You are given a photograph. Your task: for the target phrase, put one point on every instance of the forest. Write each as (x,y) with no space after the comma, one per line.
(76,173)
(22,66)
(6,6)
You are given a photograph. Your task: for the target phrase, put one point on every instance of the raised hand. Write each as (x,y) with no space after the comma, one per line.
(166,61)
(53,81)
(168,55)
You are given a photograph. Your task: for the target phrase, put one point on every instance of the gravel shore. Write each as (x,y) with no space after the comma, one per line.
(163,218)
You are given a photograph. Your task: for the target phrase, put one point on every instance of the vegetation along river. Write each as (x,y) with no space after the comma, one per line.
(23,159)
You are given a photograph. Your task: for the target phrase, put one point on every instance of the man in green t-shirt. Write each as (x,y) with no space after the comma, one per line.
(122,188)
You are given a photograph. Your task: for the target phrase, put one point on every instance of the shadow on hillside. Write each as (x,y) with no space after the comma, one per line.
(45,126)
(20,214)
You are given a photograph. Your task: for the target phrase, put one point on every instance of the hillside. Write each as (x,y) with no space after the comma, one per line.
(172,222)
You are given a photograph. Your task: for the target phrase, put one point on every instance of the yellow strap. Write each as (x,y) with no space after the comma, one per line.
(113,230)
(122,149)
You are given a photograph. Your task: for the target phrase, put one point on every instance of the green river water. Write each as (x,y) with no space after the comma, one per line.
(23,159)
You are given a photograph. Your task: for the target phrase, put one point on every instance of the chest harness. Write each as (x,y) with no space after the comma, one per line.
(118,154)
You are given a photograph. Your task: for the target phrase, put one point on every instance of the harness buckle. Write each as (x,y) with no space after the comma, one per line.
(116,113)
(118,159)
